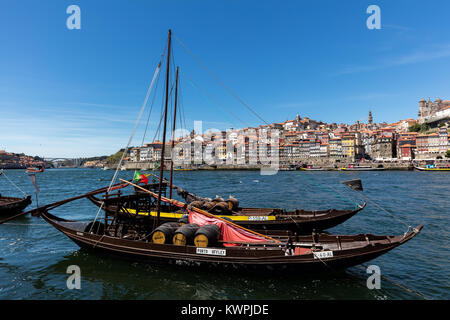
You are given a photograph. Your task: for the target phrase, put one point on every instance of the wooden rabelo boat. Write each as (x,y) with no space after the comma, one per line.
(10,205)
(300,221)
(234,247)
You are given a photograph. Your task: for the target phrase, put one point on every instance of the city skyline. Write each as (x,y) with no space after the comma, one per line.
(78,92)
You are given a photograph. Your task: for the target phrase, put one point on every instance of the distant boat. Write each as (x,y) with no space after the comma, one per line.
(184,169)
(106,168)
(309,168)
(287,169)
(432,168)
(352,167)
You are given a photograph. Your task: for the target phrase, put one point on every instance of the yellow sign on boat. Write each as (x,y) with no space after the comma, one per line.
(179,215)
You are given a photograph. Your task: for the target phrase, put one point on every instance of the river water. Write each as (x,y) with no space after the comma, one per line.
(34,256)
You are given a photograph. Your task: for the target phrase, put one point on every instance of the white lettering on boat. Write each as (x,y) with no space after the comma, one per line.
(323,254)
(258,218)
(213,252)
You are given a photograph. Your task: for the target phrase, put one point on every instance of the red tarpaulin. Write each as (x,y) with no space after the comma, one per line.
(228,232)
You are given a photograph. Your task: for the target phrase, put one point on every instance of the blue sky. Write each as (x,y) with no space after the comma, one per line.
(78,92)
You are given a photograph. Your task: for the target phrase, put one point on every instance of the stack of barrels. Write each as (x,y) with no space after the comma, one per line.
(217,205)
(186,234)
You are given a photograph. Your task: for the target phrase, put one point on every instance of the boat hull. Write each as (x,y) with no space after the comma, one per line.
(10,206)
(234,257)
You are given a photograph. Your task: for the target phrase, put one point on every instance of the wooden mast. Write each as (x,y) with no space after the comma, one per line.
(161,170)
(173,134)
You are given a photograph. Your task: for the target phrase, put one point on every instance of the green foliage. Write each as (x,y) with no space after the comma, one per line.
(419,128)
(447,154)
(115,158)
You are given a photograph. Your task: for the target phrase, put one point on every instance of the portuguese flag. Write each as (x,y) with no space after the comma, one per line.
(140,177)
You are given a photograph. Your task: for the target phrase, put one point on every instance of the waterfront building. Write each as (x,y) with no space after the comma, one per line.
(324,150)
(349,146)
(323,137)
(443,140)
(406,145)
(135,154)
(288,152)
(384,148)
(146,153)
(303,149)
(422,144)
(335,148)
(314,148)
(433,143)
(428,146)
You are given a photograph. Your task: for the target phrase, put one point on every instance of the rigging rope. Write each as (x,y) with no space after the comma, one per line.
(2,173)
(218,80)
(130,139)
(321,186)
(150,111)
(400,285)
(367,200)
(211,97)
(380,207)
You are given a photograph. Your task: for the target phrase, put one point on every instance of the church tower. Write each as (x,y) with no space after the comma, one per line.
(422,107)
(370,117)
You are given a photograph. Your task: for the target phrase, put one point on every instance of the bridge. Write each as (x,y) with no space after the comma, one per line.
(56,161)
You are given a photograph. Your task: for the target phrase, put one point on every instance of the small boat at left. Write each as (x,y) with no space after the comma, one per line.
(10,205)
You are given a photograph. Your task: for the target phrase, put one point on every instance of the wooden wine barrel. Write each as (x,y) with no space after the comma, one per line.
(208,205)
(220,208)
(184,219)
(164,232)
(233,203)
(207,236)
(184,235)
(197,203)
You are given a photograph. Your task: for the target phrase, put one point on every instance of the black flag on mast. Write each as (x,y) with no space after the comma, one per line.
(354,184)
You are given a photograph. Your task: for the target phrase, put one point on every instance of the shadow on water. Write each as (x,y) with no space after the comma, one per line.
(105,277)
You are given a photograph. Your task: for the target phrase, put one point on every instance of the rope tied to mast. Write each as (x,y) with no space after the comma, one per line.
(130,139)
(218,80)
(2,173)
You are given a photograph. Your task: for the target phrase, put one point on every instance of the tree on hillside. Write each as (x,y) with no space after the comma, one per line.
(115,158)
(419,127)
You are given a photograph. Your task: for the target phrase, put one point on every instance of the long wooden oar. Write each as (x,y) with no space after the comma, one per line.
(206,213)
(60,203)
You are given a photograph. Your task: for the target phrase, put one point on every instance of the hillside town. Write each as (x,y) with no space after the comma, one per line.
(299,142)
(9,160)
(306,141)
